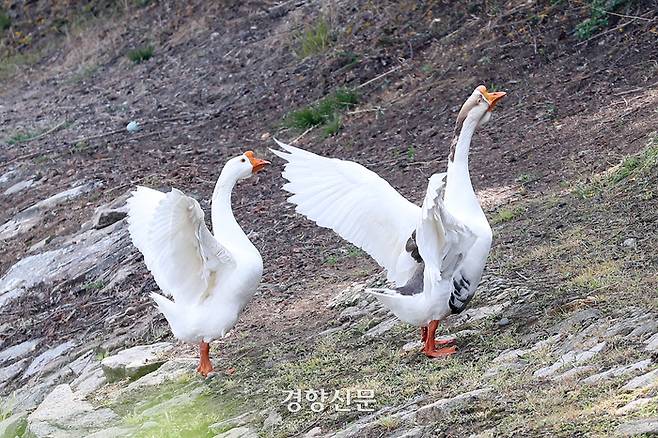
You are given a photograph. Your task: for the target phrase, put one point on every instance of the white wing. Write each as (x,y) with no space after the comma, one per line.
(354,202)
(169,229)
(442,241)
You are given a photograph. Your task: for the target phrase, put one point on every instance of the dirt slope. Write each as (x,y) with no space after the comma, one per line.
(221,80)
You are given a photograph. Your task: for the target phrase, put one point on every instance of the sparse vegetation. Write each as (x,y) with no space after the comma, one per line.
(5,21)
(140,54)
(315,39)
(598,18)
(411,153)
(325,112)
(333,125)
(23,136)
(506,214)
(94,285)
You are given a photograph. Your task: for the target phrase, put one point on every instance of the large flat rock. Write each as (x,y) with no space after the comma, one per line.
(135,362)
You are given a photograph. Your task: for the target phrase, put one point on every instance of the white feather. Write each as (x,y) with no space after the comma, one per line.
(354,202)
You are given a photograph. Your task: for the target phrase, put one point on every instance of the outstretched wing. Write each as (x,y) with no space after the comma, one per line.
(354,202)
(442,241)
(179,250)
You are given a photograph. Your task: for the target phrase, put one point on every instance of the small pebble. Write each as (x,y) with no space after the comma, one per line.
(503,322)
(132,127)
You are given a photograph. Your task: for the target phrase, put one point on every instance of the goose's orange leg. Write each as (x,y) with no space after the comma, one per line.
(205,366)
(430,349)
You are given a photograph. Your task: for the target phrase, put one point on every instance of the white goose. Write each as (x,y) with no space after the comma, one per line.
(210,277)
(434,254)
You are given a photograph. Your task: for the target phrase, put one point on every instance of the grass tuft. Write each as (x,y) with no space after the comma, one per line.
(598,18)
(325,112)
(315,39)
(140,54)
(507,214)
(5,21)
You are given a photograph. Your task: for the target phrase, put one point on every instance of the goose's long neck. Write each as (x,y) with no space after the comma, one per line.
(460,196)
(224,224)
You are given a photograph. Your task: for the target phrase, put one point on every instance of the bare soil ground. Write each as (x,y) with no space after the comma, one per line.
(221,80)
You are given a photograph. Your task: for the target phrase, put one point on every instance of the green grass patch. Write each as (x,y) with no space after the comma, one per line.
(140,54)
(643,162)
(94,285)
(13,64)
(326,112)
(180,408)
(23,136)
(507,214)
(5,21)
(598,18)
(315,39)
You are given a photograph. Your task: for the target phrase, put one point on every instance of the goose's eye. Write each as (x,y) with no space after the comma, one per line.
(243,160)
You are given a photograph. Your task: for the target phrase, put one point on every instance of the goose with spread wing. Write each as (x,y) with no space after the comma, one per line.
(211,277)
(434,254)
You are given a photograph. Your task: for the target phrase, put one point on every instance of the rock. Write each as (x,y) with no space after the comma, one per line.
(41,244)
(170,370)
(489,433)
(8,176)
(316,431)
(272,420)
(617,371)
(652,343)
(112,432)
(238,432)
(89,382)
(27,398)
(105,218)
(416,432)
(240,420)
(110,213)
(382,327)
(638,427)
(61,414)
(133,126)
(19,350)
(478,313)
(577,319)
(413,346)
(91,251)
(31,216)
(135,362)
(42,360)
(348,296)
(573,373)
(571,358)
(11,371)
(440,408)
(90,375)
(631,242)
(13,426)
(644,381)
(19,186)
(503,322)
(635,405)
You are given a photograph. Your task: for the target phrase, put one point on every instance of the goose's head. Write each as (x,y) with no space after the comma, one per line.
(479,105)
(245,165)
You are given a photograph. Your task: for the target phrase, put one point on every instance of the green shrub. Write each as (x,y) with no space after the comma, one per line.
(315,39)
(325,112)
(140,54)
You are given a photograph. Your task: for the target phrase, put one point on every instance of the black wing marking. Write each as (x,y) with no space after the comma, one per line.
(412,248)
(461,294)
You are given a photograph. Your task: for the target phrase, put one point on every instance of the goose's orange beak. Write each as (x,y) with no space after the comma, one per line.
(492,98)
(256,163)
